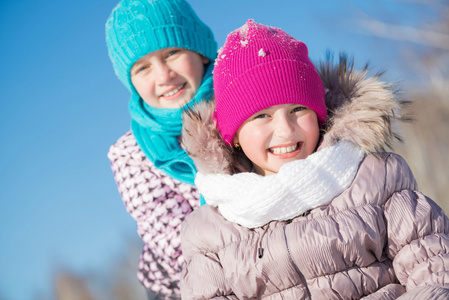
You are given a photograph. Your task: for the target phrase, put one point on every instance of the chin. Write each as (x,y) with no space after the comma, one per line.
(173,104)
(183,102)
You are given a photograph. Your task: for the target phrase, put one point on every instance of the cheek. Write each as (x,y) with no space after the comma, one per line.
(311,130)
(252,140)
(193,69)
(142,84)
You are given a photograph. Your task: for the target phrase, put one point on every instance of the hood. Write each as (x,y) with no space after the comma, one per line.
(361,109)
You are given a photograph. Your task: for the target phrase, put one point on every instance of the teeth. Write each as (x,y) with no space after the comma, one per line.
(172,92)
(282,150)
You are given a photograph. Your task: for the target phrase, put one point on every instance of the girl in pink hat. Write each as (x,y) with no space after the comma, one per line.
(303,202)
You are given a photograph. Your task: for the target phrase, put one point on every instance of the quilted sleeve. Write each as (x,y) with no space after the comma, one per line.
(418,231)
(427,292)
(202,276)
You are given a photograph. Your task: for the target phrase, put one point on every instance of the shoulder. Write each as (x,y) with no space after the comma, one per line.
(378,178)
(391,169)
(125,146)
(125,154)
(381,175)
(206,230)
(205,215)
(128,161)
(203,222)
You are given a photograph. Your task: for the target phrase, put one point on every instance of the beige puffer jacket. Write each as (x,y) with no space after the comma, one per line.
(379,239)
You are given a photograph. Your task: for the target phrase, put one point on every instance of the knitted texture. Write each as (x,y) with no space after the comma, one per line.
(252,200)
(138,27)
(159,205)
(259,67)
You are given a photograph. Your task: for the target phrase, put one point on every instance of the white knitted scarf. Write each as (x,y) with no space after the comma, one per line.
(252,200)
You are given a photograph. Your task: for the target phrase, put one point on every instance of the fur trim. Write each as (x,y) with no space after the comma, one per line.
(202,140)
(361,110)
(203,143)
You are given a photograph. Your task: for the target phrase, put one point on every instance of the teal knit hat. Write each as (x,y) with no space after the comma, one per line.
(138,27)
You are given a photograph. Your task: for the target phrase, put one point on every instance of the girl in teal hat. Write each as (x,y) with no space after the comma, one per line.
(164,54)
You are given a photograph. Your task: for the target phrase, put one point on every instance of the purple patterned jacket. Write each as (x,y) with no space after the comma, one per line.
(159,204)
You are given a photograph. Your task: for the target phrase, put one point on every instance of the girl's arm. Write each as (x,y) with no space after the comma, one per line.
(418,231)
(158,204)
(203,278)
(203,275)
(427,292)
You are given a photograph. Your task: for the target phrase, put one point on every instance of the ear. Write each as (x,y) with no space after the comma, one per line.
(235,141)
(204,60)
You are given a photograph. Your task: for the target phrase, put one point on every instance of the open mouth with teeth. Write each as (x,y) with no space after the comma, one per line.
(175,91)
(285,150)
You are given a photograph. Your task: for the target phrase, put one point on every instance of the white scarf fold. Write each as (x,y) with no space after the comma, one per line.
(252,200)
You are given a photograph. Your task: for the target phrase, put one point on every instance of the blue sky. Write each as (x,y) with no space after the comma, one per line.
(62,106)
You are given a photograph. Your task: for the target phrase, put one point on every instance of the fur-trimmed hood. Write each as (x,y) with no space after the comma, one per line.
(361,110)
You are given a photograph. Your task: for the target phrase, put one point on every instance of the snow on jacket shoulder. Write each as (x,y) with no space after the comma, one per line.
(378,239)
(159,204)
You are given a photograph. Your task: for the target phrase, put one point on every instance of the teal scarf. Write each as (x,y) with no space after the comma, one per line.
(157,131)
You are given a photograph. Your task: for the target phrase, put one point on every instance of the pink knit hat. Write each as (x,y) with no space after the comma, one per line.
(259,67)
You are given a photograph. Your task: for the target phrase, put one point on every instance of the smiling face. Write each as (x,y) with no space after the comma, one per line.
(168,78)
(277,135)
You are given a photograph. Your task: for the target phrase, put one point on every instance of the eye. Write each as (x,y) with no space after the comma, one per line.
(261,116)
(141,69)
(299,108)
(172,52)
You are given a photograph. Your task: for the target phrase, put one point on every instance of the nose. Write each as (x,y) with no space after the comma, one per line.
(283,125)
(163,73)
